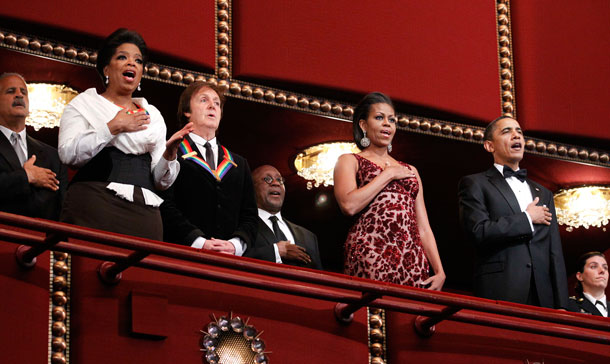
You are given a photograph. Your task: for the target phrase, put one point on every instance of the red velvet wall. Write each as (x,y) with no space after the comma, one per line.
(182,29)
(562,66)
(439,54)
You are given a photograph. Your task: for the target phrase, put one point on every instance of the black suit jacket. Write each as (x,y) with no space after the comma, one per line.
(18,196)
(263,245)
(508,253)
(582,305)
(199,205)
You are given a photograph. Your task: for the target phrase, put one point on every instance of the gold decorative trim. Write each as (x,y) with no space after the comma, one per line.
(508,101)
(376,335)
(59,308)
(224,39)
(307,103)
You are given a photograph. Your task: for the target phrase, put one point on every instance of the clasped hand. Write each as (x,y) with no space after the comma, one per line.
(398,171)
(291,251)
(539,214)
(124,122)
(219,245)
(40,177)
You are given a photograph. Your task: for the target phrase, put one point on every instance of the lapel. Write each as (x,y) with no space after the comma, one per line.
(7,151)
(536,191)
(266,232)
(34,148)
(590,307)
(496,179)
(296,234)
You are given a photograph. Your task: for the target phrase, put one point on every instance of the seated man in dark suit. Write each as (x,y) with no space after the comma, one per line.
(592,279)
(278,240)
(32,179)
(512,222)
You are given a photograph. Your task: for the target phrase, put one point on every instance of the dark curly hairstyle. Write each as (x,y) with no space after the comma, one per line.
(113,41)
(362,112)
(580,266)
(184,105)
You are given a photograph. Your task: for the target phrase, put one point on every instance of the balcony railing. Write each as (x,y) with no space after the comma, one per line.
(350,293)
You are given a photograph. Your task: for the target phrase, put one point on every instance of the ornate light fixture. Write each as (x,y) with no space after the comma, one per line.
(583,206)
(316,164)
(47,103)
(229,340)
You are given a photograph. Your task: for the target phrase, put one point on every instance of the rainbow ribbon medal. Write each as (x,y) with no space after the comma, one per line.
(223,167)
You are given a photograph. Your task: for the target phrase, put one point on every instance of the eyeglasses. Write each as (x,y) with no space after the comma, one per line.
(269,180)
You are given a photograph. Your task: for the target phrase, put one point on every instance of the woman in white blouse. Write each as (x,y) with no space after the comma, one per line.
(118,144)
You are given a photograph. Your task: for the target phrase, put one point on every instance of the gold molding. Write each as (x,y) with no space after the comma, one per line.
(59,308)
(506,71)
(304,103)
(376,328)
(224,39)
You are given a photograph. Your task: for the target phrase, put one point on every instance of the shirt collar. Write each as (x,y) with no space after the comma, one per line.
(593,299)
(265,215)
(500,168)
(200,140)
(8,132)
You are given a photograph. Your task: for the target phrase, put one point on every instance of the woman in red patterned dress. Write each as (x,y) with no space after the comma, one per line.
(391,239)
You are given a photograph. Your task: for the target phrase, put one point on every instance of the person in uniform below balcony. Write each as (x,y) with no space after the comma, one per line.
(279,240)
(391,239)
(211,205)
(592,279)
(32,179)
(511,221)
(118,144)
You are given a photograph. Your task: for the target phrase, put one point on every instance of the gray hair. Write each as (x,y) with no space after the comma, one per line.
(8,74)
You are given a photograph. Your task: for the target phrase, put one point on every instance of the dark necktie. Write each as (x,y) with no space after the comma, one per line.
(209,155)
(520,174)
(601,304)
(15,141)
(279,235)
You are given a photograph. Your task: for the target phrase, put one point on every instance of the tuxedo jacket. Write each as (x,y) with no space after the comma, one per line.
(197,204)
(508,253)
(582,305)
(263,249)
(17,195)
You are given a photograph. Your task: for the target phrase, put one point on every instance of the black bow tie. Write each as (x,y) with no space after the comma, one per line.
(520,174)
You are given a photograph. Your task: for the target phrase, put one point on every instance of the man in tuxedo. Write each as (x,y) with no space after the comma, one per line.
(32,179)
(211,204)
(278,240)
(592,276)
(512,222)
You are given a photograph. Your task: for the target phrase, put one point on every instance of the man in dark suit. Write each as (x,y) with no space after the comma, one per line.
(32,179)
(278,240)
(592,276)
(211,204)
(512,222)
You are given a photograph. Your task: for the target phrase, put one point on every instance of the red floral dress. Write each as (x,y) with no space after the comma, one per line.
(384,243)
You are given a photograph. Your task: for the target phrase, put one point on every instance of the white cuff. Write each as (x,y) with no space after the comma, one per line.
(239,247)
(198,243)
(278,258)
(529,218)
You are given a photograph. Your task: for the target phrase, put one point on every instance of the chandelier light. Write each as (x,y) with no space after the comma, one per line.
(583,206)
(316,164)
(47,103)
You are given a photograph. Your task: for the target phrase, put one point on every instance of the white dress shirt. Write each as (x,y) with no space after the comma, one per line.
(521,190)
(23,145)
(265,215)
(200,142)
(603,310)
(84,132)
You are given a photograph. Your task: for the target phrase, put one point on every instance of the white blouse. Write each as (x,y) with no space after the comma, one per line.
(83,132)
